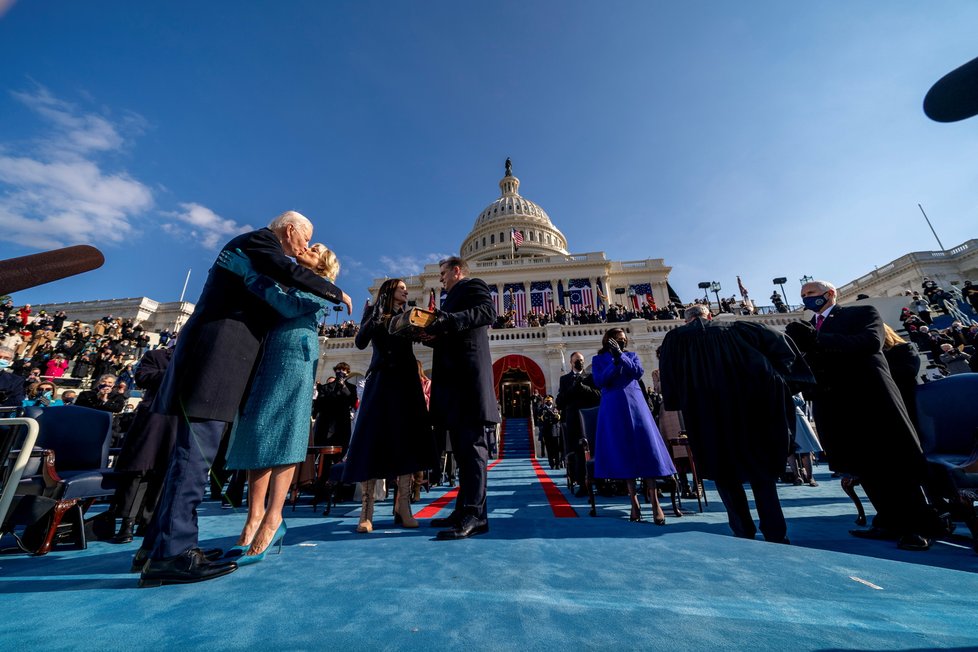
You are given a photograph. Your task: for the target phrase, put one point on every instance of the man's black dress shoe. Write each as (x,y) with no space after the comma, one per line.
(452,520)
(142,556)
(913,542)
(875,533)
(470,526)
(187,568)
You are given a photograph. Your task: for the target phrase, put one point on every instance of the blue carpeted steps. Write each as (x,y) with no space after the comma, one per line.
(517,438)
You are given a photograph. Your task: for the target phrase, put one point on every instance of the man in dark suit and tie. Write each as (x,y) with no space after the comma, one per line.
(577,391)
(204,386)
(463,400)
(861,418)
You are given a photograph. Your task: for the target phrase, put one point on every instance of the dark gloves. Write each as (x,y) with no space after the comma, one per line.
(235,262)
(802,333)
(444,322)
(613,348)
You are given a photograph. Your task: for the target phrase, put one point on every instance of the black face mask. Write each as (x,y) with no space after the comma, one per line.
(622,344)
(578,365)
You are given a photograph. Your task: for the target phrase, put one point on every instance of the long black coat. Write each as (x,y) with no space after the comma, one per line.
(393,432)
(332,410)
(859,413)
(730,381)
(150,437)
(462,392)
(218,346)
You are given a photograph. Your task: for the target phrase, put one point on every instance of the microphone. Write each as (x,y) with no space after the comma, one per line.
(37,269)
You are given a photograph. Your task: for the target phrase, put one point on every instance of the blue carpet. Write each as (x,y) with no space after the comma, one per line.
(534,582)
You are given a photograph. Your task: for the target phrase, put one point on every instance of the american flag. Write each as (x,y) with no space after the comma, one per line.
(740,286)
(517,237)
(579,290)
(643,294)
(494,291)
(541,297)
(514,298)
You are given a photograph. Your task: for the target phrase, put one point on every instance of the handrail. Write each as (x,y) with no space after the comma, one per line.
(17,471)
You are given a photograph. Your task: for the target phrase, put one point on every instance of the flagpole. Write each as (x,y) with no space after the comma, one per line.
(186,280)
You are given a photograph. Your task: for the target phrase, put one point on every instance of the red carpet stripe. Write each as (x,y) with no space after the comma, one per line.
(439,504)
(558,504)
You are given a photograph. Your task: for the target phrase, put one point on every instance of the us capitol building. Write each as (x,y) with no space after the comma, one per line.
(541,275)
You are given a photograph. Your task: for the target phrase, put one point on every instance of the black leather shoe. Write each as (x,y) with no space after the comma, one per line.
(469,527)
(142,555)
(875,533)
(187,568)
(913,542)
(453,520)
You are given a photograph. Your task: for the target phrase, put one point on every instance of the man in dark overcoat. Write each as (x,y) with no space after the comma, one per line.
(206,383)
(731,381)
(861,419)
(576,391)
(463,400)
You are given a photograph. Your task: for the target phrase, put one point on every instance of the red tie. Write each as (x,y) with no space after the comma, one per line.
(818,322)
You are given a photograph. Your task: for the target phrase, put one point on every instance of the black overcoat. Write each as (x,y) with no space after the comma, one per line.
(572,396)
(729,378)
(859,413)
(150,437)
(218,346)
(462,392)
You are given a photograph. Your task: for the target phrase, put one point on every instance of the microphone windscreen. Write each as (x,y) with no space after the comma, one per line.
(37,269)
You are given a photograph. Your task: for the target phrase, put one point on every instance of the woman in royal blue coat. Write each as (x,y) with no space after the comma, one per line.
(628,444)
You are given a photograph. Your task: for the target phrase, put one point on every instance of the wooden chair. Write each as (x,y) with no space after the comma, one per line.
(312,475)
(682,458)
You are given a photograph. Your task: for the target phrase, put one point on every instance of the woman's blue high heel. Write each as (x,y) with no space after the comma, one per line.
(279,537)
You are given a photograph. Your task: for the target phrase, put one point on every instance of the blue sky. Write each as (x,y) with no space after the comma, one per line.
(762,139)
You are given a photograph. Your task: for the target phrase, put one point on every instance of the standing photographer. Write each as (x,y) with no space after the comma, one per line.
(333,409)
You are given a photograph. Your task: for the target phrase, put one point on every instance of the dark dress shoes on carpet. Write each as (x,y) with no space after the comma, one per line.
(913,542)
(191,566)
(470,526)
(142,556)
(875,533)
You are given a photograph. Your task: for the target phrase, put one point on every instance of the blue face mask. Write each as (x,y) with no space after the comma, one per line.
(48,394)
(4,364)
(815,303)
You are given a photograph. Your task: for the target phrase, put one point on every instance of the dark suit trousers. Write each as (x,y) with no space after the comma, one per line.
(471,451)
(900,503)
(173,530)
(768,506)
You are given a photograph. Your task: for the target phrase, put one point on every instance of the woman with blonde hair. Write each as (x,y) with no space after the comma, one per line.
(272,432)
(904,361)
(392,436)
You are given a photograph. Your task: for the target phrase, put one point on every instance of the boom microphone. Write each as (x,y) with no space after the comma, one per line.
(37,269)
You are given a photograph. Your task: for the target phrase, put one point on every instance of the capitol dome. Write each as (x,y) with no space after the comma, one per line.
(490,236)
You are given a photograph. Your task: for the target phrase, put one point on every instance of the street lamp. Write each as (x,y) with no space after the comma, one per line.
(780,281)
(705,286)
(337,310)
(715,289)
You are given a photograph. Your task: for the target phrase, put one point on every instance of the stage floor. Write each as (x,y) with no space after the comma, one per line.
(545,577)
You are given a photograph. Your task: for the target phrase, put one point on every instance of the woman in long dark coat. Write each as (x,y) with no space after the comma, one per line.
(628,444)
(393,434)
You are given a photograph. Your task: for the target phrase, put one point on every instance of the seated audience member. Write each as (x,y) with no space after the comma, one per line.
(56,366)
(42,394)
(102,397)
(956,362)
(68,396)
(11,385)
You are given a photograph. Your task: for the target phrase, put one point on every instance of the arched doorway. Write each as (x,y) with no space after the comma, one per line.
(516,377)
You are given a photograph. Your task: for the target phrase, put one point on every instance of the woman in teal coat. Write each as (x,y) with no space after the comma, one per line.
(271,434)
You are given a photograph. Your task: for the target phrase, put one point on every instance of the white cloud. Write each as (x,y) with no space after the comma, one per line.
(408,265)
(205,226)
(58,193)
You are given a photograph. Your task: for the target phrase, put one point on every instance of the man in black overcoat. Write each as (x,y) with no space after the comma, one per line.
(463,400)
(576,391)
(730,379)
(206,383)
(861,419)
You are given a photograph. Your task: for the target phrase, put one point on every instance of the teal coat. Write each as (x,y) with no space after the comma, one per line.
(273,428)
